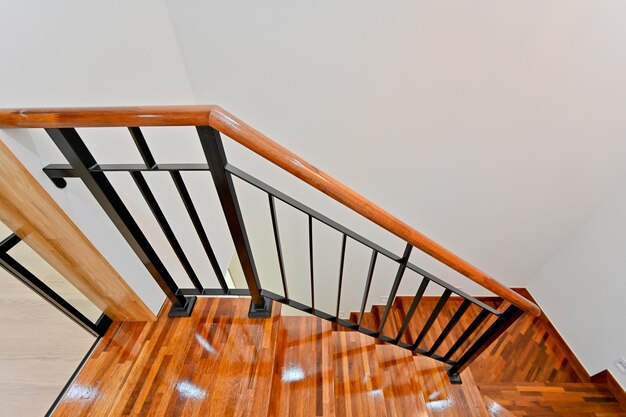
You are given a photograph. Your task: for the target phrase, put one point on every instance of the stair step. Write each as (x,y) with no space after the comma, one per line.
(421,316)
(394,319)
(358,383)
(443,398)
(400,386)
(303,383)
(555,399)
(495,409)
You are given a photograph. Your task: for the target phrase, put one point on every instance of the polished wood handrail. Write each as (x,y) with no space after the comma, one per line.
(60,117)
(247,136)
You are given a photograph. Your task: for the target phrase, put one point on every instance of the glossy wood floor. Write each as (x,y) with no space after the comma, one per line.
(215,363)
(219,362)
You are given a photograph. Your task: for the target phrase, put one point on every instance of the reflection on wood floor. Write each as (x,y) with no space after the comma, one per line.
(220,363)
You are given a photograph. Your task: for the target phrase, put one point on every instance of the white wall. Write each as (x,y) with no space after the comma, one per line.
(76,53)
(493,128)
(582,288)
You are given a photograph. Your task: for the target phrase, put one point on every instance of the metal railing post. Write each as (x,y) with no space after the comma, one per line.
(510,315)
(216,157)
(77,154)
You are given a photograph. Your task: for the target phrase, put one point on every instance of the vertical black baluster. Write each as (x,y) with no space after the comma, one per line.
(197,224)
(71,145)
(414,304)
(279,249)
(368,284)
(148,196)
(446,331)
(148,158)
(395,286)
(433,316)
(503,322)
(142,146)
(341,264)
(216,157)
(467,333)
(311,263)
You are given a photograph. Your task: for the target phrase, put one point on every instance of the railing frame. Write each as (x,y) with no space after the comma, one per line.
(26,277)
(209,122)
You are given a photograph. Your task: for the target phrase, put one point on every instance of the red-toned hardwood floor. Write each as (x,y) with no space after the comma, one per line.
(220,363)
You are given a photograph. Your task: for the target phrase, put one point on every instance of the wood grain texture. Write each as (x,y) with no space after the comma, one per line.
(443,398)
(495,409)
(555,400)
(614,387)
(28,210)
(215,363)
(303,375)
(358,383)
(106,116)
(400,386)
(254,140)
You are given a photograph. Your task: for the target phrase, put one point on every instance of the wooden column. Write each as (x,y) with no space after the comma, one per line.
(28,210)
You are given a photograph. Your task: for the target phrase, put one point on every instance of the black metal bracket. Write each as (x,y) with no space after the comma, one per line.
(264,312)
(455,379)
(184,310)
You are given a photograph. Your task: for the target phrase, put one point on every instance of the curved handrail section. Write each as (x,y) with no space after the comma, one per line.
(236,129)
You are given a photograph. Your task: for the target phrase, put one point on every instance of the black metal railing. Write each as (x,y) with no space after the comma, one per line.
(487,325)
(98,328)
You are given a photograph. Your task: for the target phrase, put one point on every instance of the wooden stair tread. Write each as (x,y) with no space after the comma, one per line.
(394,319)
(555,399)
(443,398)
(216,362)
(496,410)
(358,383)
(400,387)
(303,383)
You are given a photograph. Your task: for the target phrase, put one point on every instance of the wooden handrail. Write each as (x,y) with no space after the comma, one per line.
(60,117)
(252,139)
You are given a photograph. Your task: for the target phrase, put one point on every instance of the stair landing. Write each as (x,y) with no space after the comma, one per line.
(220,363)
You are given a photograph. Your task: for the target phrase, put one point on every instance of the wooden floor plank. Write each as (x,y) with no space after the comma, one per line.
(358,384)
(303,374)
(443,398)
(555,399)
(400,387)
(215,363)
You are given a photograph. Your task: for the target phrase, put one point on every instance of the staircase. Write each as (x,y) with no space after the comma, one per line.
(214,356)
(220,362)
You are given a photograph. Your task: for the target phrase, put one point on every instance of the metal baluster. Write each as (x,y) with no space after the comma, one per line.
(311,263)
(368,284)
(197,224)
(503,322)
(341,264)
(152,203)
(433,316)
(395,286)
(466,334)
(446,331)
(71,145)
(414,304)
(279,249)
